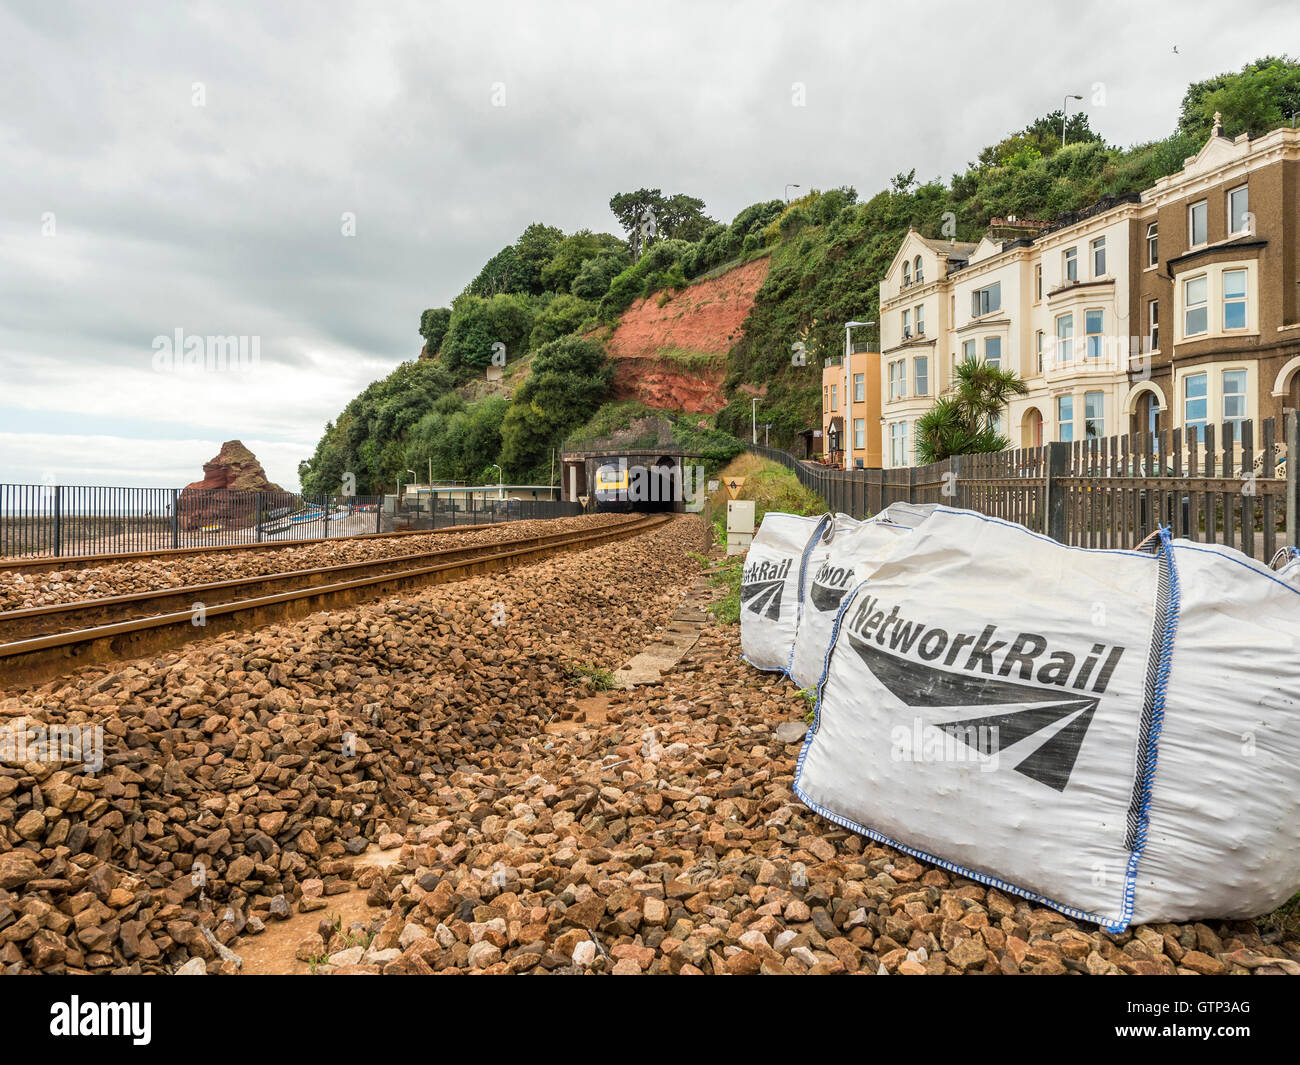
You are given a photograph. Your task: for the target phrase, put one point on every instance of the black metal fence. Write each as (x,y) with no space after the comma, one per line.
(1102,493)
(440,512)
(64,520)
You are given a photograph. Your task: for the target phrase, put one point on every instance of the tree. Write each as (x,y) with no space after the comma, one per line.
(593,279)
(962,423)
(536,246)
(477,324)
(564,314)
(501,273)
(568,380)
(433,327)
(1262,97)
(677,217)
(574,251)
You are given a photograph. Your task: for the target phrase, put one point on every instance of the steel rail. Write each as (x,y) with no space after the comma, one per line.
(35,659)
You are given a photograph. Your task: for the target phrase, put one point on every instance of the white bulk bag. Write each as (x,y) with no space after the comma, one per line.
(1287,562)
(849,556)
(769,587)
(1069,724)
(909,514)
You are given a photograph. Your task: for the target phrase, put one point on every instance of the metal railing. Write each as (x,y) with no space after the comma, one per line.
(66,520)
(1108,493)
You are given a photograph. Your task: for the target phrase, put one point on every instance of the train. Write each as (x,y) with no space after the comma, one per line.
(621,488)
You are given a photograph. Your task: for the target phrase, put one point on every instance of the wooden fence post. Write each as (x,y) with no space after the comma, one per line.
(1058,459)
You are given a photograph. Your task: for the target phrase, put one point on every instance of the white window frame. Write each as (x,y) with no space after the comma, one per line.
(918,315)
(1243,190)
(1153,324)
(1070,265)
(1153,244)
(834,397)
(1204,207)
(859,433)
(898,444)
(1095,249)
(1203,305)
(1038,283)
(1235,419)
(917,378)
(968,350)
(1091,350)
(897,379)
(981,301)
(918,271)
(1099,422)
(907,324)
(992,340)
(907,273)
(859,388)
(1038,348)
(1065,342)
(1188,421)
(1243,299)
(1065,425)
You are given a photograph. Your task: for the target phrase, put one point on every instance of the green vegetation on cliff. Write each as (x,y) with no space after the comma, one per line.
(828,254)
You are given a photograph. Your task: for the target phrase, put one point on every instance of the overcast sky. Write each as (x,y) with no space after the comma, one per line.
(194,166)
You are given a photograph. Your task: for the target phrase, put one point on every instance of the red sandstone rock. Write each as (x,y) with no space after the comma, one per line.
(661,353)
(234,469)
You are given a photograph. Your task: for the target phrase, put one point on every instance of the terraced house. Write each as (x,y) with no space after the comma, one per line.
(1217,288)
(1175,307)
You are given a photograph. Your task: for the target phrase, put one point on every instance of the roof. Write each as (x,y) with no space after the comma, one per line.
(952,249)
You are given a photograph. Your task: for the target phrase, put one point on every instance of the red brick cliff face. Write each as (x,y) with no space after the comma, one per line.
(674,357)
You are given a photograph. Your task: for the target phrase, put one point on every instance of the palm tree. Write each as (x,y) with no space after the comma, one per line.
(962,422)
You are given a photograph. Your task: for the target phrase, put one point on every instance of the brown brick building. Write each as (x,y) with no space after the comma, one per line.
(1215,264)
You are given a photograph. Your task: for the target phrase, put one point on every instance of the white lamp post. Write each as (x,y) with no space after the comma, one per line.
(1065,106)
(753,418)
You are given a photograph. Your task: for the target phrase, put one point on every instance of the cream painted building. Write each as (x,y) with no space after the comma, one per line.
(1176,308)
(915,324)
(1050,304)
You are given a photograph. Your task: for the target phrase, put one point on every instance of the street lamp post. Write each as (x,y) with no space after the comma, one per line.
(1065,106)
(753,418)
(500,477)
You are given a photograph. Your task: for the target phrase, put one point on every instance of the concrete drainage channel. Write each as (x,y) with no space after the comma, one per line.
(675,639)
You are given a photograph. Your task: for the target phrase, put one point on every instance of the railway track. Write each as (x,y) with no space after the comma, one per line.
(42,642)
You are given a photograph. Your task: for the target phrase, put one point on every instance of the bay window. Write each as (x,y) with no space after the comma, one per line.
(1094,421)
(1065,340)
(1092,326)
(1065,418)
(1234,299)
(1234,400)
(1196,295)
(1195,404)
